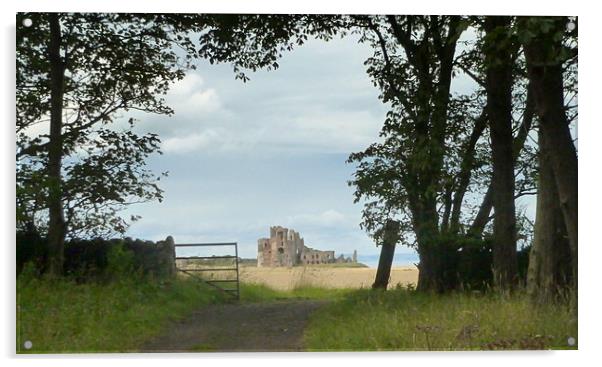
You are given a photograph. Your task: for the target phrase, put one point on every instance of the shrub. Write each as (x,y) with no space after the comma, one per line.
(467,262)
(86,259)
(120,262)
(98,259)
(32,249)
(475,260)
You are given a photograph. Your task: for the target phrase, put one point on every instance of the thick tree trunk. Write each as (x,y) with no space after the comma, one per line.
(387,251)
(433,252)
(499,103)
(434,268)
(545,73)
(550,267)
(56,225)
(429,278)
(427,154)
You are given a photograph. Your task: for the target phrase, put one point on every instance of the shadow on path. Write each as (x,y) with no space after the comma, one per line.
(255,327)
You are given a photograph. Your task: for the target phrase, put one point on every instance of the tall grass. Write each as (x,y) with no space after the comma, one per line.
(61,316)
(407,320)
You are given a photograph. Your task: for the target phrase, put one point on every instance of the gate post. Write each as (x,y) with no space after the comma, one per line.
(170,253)
(383,272)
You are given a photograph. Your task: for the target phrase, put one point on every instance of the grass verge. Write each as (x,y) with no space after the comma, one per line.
(408,320)
(340,265)
(251,292)
(61,316)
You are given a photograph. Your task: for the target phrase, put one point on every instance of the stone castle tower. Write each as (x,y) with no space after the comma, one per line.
(286,247)
(281,249)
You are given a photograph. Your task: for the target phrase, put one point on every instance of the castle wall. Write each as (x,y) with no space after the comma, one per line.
(286,247)
(311,256)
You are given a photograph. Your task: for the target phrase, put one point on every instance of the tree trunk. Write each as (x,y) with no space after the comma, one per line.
(437,270)
(499,103)
(387,251)
(550,267)
(56,223)
(466,171)
(545,74)
(433,252)
(428,269)
(482,218)
(426,157)
(480,221)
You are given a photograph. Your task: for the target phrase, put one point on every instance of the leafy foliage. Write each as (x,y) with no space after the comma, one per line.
(115,63)
(112,63)
(403,176)
(424,155)
(256,41)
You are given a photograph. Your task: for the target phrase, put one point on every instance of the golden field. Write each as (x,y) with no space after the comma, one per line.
(288,278)
(323,276)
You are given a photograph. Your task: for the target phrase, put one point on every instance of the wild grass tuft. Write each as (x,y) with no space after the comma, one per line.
(61,316)
(408,320)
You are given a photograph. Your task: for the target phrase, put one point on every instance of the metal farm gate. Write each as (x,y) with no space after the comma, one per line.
(211,265)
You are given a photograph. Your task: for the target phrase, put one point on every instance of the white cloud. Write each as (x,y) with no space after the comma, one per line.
(189,84)
(297,109)
(189,96)
(337,131)
(328,218)
(309,131)
(214,139)
(189,143)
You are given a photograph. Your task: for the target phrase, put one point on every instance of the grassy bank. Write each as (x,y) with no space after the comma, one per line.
(406,320)
(63,317)
(341,265)
(250,292)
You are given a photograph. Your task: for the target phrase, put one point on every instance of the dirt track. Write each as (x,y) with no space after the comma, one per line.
(270,327)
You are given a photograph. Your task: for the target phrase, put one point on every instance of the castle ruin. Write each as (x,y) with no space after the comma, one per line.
(286,247)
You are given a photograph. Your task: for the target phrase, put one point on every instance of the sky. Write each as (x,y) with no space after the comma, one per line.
(246,156)
(243,157)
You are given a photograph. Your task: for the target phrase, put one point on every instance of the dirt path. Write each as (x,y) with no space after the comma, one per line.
(273,326)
